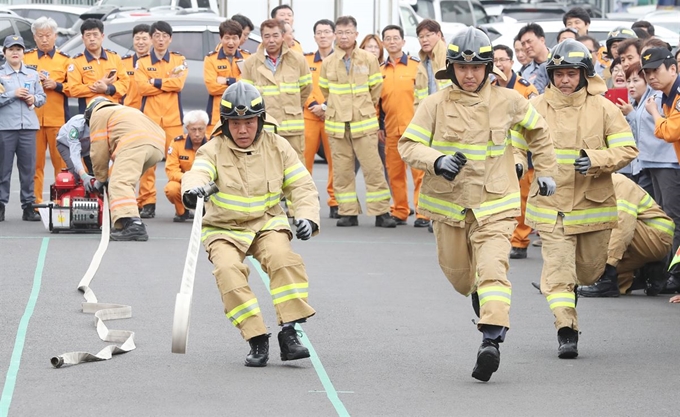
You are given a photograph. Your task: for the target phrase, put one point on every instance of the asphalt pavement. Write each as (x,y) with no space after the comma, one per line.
(390,338)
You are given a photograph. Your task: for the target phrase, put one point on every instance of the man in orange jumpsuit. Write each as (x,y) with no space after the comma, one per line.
(160,78)
(52,65)
(141,42)
(97,72)
(222,68)
(397,106)
(315,108)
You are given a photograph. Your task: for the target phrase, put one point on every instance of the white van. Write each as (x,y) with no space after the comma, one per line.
(106,7)
(467,12)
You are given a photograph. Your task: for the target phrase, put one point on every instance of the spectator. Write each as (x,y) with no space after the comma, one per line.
(644,25)
(629,52)
(285,12)
(654,43)
(160,77)
(594,47)
(641,33)
(246,26)
(97,72)
(532,37)
(618,78)
(288,34)
(615,37)
(432,55)
(372,44)
(141,42)
(521,55)
(502,59)
(180,158)
(52,66)
(22,93)
(567,33)
(577,18)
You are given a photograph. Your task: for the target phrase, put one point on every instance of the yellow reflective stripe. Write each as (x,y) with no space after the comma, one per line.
(620,139)
(205,166)
(661,224)
(373,196)
(247,81)
(645,204)
(346,197)
(443,207)
(444,83)
(494,293)
(334,127)
(676,259)
(294,124)
(421,93)
(269,90)
(518,140)
(530,119)
(240,235)
(588,216)
(243,311)
(562,299)
(472,152)
(269,128)
(540,215)
(245,204)
(374,79)
(289,87)
(626,207)
(363,88)
(323,82)
(294,173)
(305,80)
(496,150)
(566,156)
(418,134)
(367,124)
(276,223)
(340,89)
(289,292)
(488,208)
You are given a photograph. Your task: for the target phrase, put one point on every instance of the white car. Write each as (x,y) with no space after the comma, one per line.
(669,19)
(409,21)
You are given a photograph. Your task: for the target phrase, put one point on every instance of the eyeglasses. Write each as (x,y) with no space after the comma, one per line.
(345,33)
(160,35)
(497,60)
(426,35)
(323,32)
(392,39)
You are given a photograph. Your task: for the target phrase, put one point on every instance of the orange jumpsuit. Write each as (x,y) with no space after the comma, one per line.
(52,115)
(218,64)
(179,160)
(397,106)
(315,133)
(161,102)
(85,69)
(668,128)
(132,98)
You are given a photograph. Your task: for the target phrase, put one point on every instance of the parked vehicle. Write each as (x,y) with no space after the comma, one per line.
(12,24)
(466,12)
(669,19)
(67,17)
(542,11)
(104,7)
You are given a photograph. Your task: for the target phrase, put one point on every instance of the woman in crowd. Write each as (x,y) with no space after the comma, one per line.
(618,79)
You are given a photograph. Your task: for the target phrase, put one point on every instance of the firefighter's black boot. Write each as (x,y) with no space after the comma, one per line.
(133,229)
(568,340)
(148,211)
(488,360)
(30,215)
(654,274)
(606,286)
(347,221)
(259,351)
(291,348)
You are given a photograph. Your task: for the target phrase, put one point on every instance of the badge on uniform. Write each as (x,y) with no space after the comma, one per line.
(677,105)
(71,68)
(73,134)
(170,150)
(531,95)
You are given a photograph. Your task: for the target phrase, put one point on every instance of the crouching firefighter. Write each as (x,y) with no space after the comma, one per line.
(592,140)
(250,168)
(134,143)
(462,137)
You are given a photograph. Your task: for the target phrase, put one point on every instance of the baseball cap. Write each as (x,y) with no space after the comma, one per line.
(13,40)
(654,57)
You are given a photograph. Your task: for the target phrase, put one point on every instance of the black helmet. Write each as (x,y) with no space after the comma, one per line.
(241,100)
(469,46)
(570,53)
(95,103)
(617,35)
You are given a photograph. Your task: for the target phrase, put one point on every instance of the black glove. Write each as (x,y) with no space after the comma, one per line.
(582,164)
(448,166)
(519,169)
(305,228)
(191,196)
(99,186)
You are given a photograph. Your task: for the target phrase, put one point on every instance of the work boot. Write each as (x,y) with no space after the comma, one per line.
(654,274)
(429,228)
(29,215)
(475,302)
(346,221)
(333,214)
(606,286)
(671,286)
(259,351)
(518,253)
(181,218)
(133,229)
(291,348)
(148,211)
(488,360)
(2,212)
(421,223)
(385,220)
(568,340)
(398,221)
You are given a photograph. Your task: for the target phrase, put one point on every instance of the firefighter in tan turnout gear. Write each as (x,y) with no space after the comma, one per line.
(250,168)
(592,139)
(463,137)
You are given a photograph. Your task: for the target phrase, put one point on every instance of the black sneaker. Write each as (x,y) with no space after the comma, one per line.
(421,223)
(333,214)
(385,220)
(346,221)
(182,218)
(568,340)
(29,215)
(148,211)
(291,348)
(488,360)
(259,351)
(399,221)
(518,253)
(2,212)
(133,230)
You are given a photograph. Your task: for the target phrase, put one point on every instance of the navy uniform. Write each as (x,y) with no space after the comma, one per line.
(73,144)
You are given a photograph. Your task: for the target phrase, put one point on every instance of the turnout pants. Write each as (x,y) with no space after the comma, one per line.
(648,245)
(22,144)
(520,237)
(147,183)
(288,281)
(396,170)
(129,165)
(46,138)
(173,191)
(570,260)
(315,136)
(475,258)
(344,184)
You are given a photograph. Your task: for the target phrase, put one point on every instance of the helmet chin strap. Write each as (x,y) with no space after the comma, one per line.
(452,76)
(260,127)
(582,82)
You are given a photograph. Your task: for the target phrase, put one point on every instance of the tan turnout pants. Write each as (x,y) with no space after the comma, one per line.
(648,245)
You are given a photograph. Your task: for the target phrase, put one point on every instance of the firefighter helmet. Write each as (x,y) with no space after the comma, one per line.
(96,103)
(570,53)
(470,46)
(241,101)
(617,35)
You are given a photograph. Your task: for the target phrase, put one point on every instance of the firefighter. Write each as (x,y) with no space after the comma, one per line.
(52,66)
(180,158)
(73,144)
(592,140)
(643,239)
(285,12)
(315,108)
(351,82)
(610,50)
(96,72)
(283,78)
(398,101)
(160,78)
(134,143)
(661,71)
(462,138)
(222,68)
(141,42)
(432,56)
(250,168)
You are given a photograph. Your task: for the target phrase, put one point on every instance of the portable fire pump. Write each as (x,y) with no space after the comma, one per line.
(71,208)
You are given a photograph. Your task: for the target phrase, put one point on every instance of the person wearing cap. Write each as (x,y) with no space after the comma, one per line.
(247,169)
(134,143)
(592,140)
(22,93)
(661,71)
(466,138)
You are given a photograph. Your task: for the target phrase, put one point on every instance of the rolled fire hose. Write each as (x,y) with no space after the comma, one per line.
(101,311)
